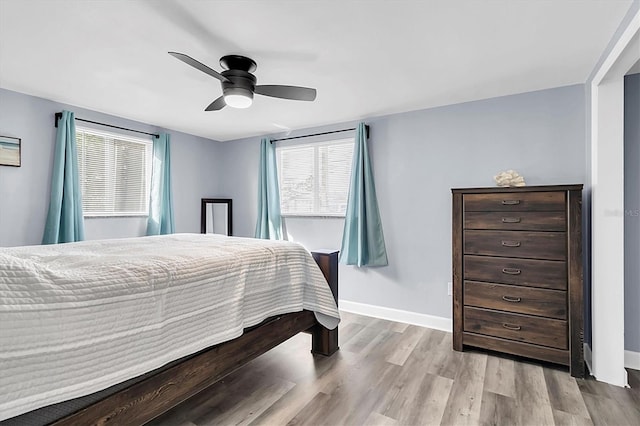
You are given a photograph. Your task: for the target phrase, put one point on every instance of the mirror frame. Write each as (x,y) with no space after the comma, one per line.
(203,213)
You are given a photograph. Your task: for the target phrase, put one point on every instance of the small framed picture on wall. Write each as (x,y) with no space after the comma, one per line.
(9,151)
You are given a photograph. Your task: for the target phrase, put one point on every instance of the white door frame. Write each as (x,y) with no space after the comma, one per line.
(607,207)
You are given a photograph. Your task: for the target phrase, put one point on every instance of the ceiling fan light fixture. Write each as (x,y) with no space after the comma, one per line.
(237,97)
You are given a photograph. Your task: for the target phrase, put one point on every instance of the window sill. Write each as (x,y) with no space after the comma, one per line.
(106,216)
(312,216)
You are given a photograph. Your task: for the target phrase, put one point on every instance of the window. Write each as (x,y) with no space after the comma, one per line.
(314,178)
(115,173)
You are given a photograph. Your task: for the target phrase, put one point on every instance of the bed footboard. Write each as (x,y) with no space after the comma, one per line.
(324,341)
(151,397)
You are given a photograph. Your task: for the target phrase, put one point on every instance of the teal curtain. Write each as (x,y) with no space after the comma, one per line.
(161,218)
(65,222)
(362,240)
(269,224)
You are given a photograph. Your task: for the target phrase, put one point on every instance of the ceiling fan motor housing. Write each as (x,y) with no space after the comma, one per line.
(240,83)
(238,62)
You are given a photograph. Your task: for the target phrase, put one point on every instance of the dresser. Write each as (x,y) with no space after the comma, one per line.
(517,272)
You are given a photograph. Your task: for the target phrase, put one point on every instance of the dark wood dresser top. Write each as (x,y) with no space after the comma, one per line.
(533,188)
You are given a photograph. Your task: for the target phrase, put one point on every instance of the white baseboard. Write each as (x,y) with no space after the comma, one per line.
(632,360)
(588,356)
(423,320)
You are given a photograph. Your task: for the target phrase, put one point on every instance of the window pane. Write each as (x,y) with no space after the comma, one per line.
(296,181)
(338,173)
(130,182)
(94,172)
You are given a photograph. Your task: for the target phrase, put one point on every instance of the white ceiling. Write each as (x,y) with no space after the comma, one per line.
(366,58)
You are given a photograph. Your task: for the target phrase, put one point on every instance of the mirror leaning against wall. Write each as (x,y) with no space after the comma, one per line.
(215,216)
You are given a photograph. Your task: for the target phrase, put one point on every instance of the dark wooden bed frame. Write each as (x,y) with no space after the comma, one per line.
(154,395)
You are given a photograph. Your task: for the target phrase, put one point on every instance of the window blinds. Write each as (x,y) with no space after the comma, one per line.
(115,173)
(314,177)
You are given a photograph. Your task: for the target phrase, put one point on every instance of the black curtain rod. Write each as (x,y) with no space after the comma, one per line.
(366,127)
(59,116)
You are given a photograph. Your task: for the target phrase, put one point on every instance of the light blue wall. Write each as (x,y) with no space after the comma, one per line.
(632,212)
(24,191)
(417,157)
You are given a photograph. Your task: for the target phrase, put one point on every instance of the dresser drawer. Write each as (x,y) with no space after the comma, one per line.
(520,221)
(536,245)
(515,201)
(526,272)
(512,298)
(522,328)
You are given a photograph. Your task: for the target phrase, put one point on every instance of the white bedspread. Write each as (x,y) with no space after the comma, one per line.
(77,318)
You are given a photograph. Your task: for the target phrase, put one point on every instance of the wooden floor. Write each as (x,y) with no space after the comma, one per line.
(388,373)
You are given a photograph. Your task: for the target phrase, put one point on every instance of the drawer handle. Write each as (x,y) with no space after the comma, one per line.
(511,299)
(511,271)
(510,220)
(511,243)
(512,327)
(510,202)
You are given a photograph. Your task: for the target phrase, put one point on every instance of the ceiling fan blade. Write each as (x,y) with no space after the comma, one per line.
(216,105)
(287,92)
(199,65)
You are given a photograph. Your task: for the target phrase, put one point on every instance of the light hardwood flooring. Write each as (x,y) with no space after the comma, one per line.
(387,373)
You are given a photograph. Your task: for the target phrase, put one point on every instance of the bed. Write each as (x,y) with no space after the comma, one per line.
(153,319)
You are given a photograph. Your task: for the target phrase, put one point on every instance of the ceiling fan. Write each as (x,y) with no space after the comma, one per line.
(239,85)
